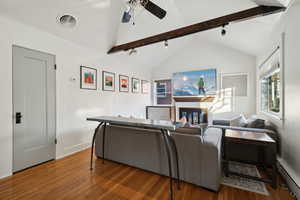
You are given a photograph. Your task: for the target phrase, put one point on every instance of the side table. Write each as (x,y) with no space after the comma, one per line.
(262,141)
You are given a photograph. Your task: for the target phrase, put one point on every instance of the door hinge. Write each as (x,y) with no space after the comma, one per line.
(55,67)
(55,141)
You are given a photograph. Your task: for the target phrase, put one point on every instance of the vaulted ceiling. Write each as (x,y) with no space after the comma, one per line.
(99,24)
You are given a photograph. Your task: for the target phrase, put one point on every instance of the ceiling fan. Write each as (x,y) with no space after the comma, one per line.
(147,4)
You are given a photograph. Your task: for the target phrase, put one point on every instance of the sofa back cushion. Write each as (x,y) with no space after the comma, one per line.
(255,122)
(239,121)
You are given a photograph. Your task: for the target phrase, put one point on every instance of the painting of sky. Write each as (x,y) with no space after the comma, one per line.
(195,83)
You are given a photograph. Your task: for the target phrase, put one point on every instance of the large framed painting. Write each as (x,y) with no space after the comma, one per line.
(108,81)
(145,87)
(135,84)
(123,83)
(195,83)
(88,78)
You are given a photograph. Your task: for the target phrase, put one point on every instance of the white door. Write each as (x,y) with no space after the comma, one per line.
(33,107)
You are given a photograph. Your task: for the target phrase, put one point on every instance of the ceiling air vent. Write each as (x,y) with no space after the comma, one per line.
(67,21)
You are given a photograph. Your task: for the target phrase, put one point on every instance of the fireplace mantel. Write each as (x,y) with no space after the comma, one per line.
(194,99)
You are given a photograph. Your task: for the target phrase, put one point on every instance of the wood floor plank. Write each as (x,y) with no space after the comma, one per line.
(69,178)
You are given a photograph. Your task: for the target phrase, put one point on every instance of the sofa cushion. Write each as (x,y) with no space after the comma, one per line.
(240,121)
(270,126)
(255,122)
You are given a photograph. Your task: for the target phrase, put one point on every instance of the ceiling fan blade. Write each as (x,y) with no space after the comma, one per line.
(155,10)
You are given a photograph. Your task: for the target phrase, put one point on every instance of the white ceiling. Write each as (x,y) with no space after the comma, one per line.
(99,24)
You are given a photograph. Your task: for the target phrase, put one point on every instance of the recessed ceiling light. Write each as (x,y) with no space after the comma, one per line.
(67,21)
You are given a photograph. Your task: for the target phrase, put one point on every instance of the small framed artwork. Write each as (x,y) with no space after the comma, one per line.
(108,81)
(145,87)
(135,84)
(123,83)
(88,78)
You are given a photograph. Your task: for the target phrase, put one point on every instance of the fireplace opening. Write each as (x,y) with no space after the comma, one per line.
(193,115)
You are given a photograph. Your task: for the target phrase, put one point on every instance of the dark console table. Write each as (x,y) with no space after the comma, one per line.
(262,141)
(164,126)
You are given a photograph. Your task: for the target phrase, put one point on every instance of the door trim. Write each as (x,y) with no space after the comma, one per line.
(13,111)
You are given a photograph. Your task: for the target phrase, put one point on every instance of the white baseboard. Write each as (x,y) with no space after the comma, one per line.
(5,175)
(74,149)
(67,151)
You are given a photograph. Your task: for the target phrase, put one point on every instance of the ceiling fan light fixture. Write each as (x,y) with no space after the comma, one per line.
(67,21)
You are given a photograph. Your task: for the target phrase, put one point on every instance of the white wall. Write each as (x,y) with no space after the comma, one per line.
(199,55)
(73,104)
(290,127)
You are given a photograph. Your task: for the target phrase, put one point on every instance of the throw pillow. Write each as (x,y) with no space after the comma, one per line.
(239,121)
(255,122)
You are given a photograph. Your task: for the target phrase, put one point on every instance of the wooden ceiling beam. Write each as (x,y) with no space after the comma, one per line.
(202,26)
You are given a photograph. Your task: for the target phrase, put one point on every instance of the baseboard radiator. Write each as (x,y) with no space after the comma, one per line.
(291,184)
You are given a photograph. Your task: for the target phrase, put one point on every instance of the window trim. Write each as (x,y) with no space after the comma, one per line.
(279,117)
(272,114)
(237,74)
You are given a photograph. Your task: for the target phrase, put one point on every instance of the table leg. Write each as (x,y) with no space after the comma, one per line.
(274,167)
(103,143)
(176,158)
(274,177)
(262,156)
(224,154)
(93,144)
(169,162)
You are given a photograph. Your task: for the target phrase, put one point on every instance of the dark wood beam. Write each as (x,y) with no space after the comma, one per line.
(202,26)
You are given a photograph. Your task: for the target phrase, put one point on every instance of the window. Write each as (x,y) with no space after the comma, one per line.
(163,92)
(237,82)
(161,89)
(270,92)
(271,88)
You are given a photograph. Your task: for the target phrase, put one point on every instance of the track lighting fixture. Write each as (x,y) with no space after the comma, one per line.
(132,52)
(166,44)
(223,32)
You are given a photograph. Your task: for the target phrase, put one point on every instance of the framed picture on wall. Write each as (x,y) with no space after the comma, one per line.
(135,84)
(145,87)
(123,83)
(108,81)
(88,78)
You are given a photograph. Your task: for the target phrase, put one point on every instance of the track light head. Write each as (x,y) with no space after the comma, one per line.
(223,32)
(132,52)
(166,44)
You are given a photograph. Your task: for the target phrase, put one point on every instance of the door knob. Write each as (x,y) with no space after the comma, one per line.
(18,117)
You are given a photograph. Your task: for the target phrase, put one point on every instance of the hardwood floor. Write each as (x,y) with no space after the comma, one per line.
(70,178)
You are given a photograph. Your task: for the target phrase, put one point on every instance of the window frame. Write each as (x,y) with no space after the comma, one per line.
(273,114)
(162,95)
(237,74)
(279,53)
(166,93)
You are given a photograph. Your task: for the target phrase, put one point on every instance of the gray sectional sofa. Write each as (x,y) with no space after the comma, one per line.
(199,155)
